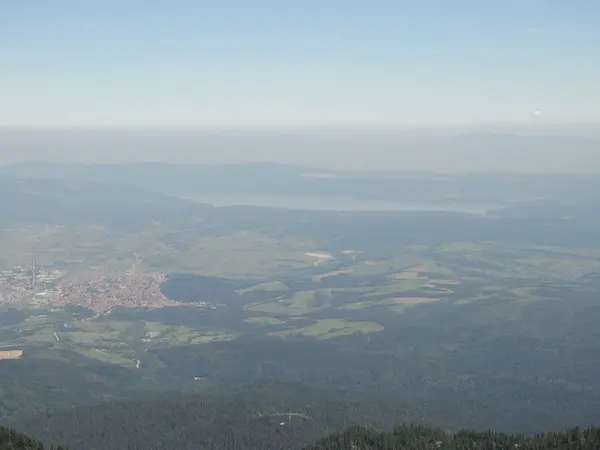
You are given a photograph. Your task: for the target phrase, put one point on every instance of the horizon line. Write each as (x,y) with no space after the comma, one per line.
(529,126)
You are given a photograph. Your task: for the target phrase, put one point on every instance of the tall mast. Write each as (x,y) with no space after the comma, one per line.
(33,270)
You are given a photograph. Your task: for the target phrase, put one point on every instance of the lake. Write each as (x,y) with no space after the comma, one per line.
(337,203)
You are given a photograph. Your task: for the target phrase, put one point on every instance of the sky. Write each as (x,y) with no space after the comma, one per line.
(277,63)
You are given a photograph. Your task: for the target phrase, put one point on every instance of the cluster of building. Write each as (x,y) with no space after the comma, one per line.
(102,291)
(97,289)
(19,282)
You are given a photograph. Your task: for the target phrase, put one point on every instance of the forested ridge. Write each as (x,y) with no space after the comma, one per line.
(13,440)
(406,436)
(249,418)
(282,417)
(416,437)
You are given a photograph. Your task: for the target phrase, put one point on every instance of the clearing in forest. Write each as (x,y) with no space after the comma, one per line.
(11,354)
(406,275)
(263,321)
(331,274)
(419,268)
(447,282)
(321,257)
(331,328)
(413,300)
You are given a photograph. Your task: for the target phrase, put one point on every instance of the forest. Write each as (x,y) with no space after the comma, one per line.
(420,437)
(213,435)
(281,416)
(13,440)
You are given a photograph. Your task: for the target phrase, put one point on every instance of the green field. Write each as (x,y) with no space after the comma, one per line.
(524,262)
(181,335)
(388,266)
(116,342)
(331,328)
(455,273)
(361,305)
(263,321)
(239,254)
(398,286)
(300,303)
(269,286)
(108,356)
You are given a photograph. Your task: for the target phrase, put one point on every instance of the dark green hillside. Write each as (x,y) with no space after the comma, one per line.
(419,437)
(249,418)
(13,440)
(79,202)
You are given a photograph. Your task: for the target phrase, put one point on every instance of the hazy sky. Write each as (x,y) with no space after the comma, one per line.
(231,63)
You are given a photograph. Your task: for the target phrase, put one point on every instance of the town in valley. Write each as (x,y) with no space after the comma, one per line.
(98,289)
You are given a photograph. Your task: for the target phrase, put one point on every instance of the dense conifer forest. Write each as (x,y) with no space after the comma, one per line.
(13,440)
(249,418)
(421,437)
(284,417)
(403,437)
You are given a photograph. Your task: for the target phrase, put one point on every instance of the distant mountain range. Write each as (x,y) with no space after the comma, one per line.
(487,152)
(271,179)
(74,201)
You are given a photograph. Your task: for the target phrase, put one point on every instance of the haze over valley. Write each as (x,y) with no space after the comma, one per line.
(138,293)
(525,150)
(299,225)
